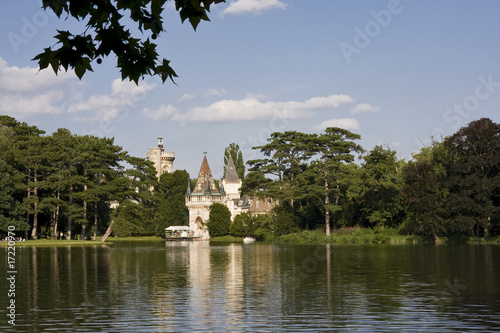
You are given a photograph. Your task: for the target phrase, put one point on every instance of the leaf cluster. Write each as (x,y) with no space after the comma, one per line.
(106,32)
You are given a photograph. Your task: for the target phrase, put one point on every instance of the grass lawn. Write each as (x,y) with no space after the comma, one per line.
(72,242)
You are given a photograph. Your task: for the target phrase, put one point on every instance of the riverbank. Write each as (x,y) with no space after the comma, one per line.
(74,242)
(358,236)
(338,236)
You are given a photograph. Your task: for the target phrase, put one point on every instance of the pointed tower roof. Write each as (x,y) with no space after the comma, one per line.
(205,182)
(231,175)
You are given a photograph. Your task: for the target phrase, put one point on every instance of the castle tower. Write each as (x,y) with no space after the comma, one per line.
(163,160)
(231,185)
(231,182)
(199,200)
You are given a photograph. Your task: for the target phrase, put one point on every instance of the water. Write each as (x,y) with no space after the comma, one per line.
(201,286)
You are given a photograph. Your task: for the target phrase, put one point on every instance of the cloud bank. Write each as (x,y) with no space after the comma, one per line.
(253,6)
(27,91)
(253,108)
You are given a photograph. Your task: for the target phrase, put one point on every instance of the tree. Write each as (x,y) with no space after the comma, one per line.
(171,202)
(10,210)
(382,203)
(335,146)
(106,33)
(219,220)
(288,153)
(133,185)
(25,154)
(233,150)
(255,183)
(473,165)
(425,193)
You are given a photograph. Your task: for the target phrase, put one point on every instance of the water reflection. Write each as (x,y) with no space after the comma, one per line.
(190,286)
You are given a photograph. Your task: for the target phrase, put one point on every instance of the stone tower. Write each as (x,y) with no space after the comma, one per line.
(199,200)
(163,160)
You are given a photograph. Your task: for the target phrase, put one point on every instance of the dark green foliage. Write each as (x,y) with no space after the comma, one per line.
(473,164)
(171,206)
(106,33)
(382,204)
(255,183)
(287,220)
(244,225)
(10,210)
(425,194)
(133,220)
(219,220)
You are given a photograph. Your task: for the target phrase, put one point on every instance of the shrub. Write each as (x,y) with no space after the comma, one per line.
(219,220)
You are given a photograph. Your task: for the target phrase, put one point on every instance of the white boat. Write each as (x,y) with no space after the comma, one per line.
(248,240)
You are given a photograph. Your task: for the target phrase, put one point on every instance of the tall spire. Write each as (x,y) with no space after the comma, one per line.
(205,179)
(188,191)
(231,175)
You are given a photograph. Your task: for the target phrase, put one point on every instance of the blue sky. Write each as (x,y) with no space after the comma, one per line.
(395,72)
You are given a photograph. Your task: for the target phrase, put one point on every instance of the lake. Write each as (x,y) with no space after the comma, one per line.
(213,287)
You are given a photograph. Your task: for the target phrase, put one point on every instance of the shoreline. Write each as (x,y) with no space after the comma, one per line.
(345,236)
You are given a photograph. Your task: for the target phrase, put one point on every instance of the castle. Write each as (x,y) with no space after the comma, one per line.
(206,193)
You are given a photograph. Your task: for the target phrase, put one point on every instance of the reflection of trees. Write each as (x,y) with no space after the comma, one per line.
(198,285)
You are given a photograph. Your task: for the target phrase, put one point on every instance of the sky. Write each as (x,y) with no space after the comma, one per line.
(396,72)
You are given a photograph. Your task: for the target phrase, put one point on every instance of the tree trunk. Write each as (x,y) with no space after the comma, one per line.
(327,201)
(84,223)
(95,220)
(34,231)
(487,229)
(57,215)
(110,227)
(70,218)
(437,241)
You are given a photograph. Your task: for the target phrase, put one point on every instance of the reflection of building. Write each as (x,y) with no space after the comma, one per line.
(205,193)
(163,160)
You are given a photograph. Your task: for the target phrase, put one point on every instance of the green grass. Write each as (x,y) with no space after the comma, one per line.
(227,239)
(349,236)
(74,242)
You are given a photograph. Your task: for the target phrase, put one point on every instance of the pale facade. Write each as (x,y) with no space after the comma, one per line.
(206,193)
(163,160)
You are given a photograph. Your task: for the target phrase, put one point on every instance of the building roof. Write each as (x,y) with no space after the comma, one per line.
(231,176)
(205,182)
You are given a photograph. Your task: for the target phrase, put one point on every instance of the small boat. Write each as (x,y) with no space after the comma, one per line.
(248,240)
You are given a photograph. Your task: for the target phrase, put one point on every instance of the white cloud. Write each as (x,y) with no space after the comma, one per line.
(255,6)
(186,97)
(251,108)
(165,111)
(345,123)
(107,107)
(364,107)
(27,91)
(214,92)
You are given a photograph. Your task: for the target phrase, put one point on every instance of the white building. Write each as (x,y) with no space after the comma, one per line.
(205,193)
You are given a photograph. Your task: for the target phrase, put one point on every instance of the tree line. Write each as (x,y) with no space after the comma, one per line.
(449,189)
(64,183)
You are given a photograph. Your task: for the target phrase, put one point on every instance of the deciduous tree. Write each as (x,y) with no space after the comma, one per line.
(107,32)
